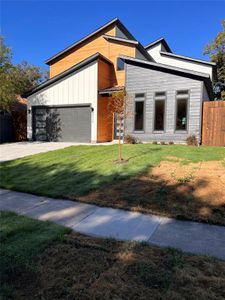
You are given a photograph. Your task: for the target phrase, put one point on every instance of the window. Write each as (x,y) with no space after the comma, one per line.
(120,64)
(181,118)
(139,112)
(160,99)
(159,114)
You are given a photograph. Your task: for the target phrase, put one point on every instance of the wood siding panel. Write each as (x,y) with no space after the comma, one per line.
(81,52)
(110,49)
(105,122)
(213,124)
(143,80)
(106,78)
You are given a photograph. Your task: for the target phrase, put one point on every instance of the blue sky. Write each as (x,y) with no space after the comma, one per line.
(37,30)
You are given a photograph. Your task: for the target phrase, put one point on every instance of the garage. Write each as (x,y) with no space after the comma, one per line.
(62,123)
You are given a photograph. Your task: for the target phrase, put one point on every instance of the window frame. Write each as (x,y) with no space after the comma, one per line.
(119,70)
(139,99)
(186,97)
(160,98)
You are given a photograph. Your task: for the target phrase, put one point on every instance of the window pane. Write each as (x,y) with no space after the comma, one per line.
(142,95)
(120,64)
(182,92)
(160,94)
(181,121)
(139,115)
(159,114)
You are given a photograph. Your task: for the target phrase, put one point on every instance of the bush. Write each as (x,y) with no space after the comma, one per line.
(129,139)
(192,140)
(154,143)
(171,143)
(162,143)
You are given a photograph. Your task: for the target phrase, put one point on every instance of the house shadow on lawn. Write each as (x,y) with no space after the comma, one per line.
(152,193)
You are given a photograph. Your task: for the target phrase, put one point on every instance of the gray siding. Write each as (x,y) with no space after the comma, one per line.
(143,80)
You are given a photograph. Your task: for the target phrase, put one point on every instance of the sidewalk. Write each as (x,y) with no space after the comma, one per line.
(119,224)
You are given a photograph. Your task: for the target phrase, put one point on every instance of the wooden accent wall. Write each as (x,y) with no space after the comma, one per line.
(110,49)
(106,78)
(213,123)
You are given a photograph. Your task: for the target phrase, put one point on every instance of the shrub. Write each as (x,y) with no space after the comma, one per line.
(171,143)
(154,143)
(162,143)
(129,139)
(192,140)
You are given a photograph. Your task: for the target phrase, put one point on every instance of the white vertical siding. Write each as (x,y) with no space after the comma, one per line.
(176,62)
(80,87)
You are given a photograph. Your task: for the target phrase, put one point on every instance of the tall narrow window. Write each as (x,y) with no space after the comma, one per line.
(120,64)
(139,112)
(182,110)
(160,98)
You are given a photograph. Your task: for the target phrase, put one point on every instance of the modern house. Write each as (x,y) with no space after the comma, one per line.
(165,90)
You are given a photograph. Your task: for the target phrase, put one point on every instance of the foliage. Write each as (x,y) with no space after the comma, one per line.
(130,139)
(16,79)
(216,49)
(192,140)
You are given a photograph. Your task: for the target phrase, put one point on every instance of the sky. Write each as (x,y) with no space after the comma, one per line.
(36,30)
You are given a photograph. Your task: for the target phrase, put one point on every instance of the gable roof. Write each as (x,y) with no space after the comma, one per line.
(173,70)
(115,21)
(160,40)
(67,72)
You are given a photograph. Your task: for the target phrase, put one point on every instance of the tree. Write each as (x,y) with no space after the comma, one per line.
(15,79)
(216,49)
(117,107)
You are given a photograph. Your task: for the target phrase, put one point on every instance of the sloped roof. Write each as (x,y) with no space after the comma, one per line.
(115,21)
(173,70)
(158,41)
(67,72)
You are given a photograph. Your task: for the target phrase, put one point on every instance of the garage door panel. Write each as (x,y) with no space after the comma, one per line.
(63,124)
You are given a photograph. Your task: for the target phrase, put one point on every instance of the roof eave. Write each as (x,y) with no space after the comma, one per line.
(74,68)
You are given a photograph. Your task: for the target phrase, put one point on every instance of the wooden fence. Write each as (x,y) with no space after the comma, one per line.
(213,123)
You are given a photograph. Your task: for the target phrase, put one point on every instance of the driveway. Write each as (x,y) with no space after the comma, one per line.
(16,150)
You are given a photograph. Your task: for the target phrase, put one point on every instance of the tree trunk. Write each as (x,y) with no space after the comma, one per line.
(120,150)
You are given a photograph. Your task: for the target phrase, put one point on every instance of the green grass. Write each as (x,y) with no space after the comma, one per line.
(77,170)
(40,261)
(22,239)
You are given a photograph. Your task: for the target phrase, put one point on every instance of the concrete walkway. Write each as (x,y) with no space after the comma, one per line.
(119,224)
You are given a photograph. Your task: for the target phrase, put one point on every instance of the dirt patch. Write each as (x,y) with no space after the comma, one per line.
(174,189)
(89,268)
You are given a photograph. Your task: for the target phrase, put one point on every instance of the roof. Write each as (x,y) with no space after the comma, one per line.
(111,90)
(188,58)
(159,41)
(115,21)
(67,72)
(119,39)
(173,70)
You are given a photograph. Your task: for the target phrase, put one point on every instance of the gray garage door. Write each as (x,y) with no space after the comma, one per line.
(67,124)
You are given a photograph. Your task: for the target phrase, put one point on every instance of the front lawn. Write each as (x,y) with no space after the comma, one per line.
(87,173)
(40,260)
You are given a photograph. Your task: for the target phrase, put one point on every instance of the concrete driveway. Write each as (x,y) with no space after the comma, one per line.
(16,150)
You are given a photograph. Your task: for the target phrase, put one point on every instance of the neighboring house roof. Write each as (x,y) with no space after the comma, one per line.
(67,72)
(173,70)
(159,41)
(115,21)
